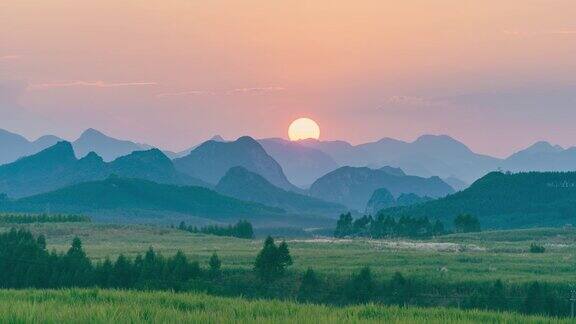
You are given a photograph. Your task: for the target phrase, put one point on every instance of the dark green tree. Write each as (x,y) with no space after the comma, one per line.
(497,297)
(362,287)
(309,286)
(534,301)
(272,261)
(215,265)
(466,223)
(344,226)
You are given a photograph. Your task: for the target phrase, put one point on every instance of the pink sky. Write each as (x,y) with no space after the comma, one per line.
(497,75)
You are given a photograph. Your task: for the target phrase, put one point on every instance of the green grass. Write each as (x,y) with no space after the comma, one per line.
(477,257)
(106,306)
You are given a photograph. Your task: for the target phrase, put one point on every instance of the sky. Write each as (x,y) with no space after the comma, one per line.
(497,75)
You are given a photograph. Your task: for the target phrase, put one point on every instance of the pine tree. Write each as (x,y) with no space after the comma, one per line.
(215,265)
(309,286)
(363,286)
(496,296)
(534,302)
(284,255)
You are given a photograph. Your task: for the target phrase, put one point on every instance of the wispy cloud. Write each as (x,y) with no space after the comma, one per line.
(95,84)
(255,90)
(185,93)
(412,102)
(8,57)
(540,32)
(237,91)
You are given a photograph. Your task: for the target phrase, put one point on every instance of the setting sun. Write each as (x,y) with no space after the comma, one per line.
(303,128)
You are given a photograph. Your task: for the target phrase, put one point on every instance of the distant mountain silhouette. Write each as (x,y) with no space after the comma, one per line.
(302,164)
(354,186)
(107,147)
(392,170)
(507,201)
(456,183)
(124,194)
(245,185)
(541,156)
(211,160)
(14,146)
(429,155)
(57,166)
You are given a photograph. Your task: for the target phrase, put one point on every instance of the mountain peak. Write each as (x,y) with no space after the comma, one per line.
(543,147)
(217,138)
(91,132)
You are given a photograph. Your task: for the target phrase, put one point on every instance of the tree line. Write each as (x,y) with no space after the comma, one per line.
(386,226)
(7,218)
(26,263)
(242,229)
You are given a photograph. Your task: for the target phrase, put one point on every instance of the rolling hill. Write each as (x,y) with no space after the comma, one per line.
(124,194)
(245,185)
(503,200)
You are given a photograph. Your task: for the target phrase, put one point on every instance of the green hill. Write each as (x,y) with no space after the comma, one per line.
(507,201)
(135,194)
(249,186)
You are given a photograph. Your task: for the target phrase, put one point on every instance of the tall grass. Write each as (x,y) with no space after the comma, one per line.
(108,306)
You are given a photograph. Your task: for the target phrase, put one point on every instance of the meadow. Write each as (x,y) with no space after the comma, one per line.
(485,256)
(110,306)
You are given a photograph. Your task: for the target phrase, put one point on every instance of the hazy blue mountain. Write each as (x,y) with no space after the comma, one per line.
(211,160)
(456,183)
(57,166)
(245,185)
(353,186)
(124,194)
(342,152)
(542,156)
(107,147)
(14,146)
(393,171)
(301,164)
(429,155)
(502,200)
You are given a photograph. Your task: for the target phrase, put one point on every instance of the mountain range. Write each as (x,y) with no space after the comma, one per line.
(57,167)
(305,161)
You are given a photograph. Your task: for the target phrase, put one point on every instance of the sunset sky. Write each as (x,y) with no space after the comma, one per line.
(497,75)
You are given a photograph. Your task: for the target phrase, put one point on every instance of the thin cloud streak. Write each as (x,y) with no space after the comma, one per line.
(253,90)
(541,32)
(96,84)
(185,93)
(8,57)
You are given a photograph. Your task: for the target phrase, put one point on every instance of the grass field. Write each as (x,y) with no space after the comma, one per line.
(107,306)
(464,257)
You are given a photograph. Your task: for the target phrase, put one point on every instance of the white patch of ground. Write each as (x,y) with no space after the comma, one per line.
(400,244)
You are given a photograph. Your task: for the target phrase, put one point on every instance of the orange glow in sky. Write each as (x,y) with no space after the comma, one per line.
(174,72)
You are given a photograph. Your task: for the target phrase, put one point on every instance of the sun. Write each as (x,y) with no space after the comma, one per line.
(303,128)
